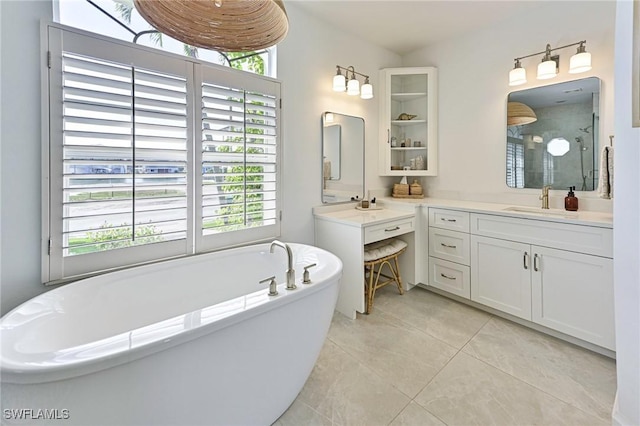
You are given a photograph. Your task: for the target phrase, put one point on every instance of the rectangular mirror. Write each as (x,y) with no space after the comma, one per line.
(342,157)
(552,136)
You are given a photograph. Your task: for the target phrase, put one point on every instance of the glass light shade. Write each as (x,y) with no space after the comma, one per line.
(366,92)
(517,76)
(353,88)
(339,83)
(558,147)
(580,62)
(546,69)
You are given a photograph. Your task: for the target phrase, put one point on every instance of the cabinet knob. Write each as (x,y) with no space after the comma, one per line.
(525,260)
(535,262)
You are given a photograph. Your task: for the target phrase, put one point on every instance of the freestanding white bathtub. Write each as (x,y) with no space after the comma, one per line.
(189,341)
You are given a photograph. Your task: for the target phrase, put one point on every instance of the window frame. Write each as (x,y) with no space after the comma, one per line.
(57,268)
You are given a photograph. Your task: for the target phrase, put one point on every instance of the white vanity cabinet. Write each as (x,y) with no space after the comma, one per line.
(449,254)
(404,93)
(554,274)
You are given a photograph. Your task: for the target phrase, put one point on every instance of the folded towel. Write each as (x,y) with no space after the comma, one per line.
(605,178)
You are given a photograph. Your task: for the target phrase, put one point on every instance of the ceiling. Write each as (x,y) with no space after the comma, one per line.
(404,26)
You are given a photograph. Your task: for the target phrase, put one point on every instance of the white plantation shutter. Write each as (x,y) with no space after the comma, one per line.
(239,151)
(515,164)
(124,156)
(152,156)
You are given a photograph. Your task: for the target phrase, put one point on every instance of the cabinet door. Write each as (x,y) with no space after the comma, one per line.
(408,119)
(573,293)
(500,275)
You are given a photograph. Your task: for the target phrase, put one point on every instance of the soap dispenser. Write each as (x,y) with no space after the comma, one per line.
(571,201)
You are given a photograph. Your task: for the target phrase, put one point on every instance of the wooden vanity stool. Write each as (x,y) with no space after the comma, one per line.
(376,256)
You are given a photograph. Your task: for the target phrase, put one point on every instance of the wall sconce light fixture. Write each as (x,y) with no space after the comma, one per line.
(548,68)
(353,86)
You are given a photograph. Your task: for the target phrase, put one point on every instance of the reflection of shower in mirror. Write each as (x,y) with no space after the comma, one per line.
(580,142)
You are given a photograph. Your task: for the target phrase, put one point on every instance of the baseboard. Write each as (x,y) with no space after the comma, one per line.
(617,419)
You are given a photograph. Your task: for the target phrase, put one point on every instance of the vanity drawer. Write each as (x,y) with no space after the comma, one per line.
(449,276)
(390,229)
(449,219)
(449,245)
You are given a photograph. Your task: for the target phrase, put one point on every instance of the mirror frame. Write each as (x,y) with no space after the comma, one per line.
(346,158)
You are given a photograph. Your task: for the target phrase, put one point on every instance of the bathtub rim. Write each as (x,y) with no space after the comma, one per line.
(13,371)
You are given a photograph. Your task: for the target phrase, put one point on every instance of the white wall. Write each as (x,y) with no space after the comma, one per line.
(473,88)
(307,61)
(626,237)
(21,143)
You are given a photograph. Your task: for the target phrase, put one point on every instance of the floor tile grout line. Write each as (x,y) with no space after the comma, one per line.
(491,316)
(420,330)
(531,385)
(516,377)
(400,412)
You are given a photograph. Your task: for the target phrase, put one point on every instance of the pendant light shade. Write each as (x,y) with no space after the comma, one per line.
(223,25)
(519,113)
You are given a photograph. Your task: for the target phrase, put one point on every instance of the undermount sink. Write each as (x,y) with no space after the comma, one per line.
(543,212)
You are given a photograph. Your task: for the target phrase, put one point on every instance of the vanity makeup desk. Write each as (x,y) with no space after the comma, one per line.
(344,230)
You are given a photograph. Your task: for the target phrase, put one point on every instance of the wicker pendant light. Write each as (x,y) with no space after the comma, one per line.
(519,113)
(223,25)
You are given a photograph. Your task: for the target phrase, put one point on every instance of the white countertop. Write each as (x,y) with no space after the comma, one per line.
(400,208)
(362,218)
(600,219)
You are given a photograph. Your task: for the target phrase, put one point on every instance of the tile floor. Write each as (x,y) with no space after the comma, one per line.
(422,359)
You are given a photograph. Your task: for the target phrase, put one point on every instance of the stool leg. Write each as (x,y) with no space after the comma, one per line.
(397,275)
(375,284)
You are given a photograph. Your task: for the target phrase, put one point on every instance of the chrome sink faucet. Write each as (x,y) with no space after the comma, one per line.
(291,273)
(545,196)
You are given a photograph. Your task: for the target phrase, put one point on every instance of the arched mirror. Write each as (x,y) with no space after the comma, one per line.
(552,136)
(342,157)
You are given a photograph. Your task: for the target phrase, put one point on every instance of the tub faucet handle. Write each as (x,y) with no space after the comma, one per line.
(305,275)
(273,285)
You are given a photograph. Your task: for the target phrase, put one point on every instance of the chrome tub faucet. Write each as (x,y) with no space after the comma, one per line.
(545,196)
(291,273)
